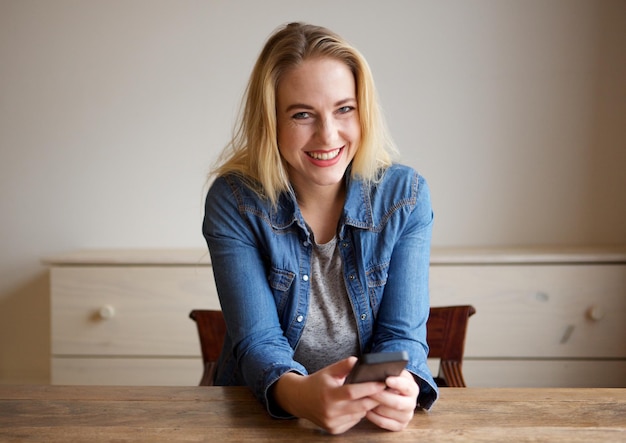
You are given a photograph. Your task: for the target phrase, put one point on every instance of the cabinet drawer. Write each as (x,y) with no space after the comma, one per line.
(545,373)
(149,305)
(545,311)
(126,371)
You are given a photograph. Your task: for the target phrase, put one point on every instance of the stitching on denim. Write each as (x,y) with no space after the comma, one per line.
(374,283)
(409,201)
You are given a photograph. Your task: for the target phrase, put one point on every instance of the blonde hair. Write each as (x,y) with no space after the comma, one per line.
(253,151)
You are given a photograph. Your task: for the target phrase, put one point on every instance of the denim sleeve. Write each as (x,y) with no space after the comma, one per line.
(259,347)
(405,306)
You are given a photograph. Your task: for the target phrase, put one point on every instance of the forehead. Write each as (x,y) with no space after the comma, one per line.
(319,76)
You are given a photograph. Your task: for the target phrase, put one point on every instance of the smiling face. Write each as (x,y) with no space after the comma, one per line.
(318,123)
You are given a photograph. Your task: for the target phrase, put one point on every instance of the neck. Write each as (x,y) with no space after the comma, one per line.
(322,208)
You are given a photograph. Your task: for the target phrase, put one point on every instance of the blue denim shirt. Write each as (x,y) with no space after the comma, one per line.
(261,263)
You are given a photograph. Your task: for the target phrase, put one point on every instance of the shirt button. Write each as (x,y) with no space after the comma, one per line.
(305,277)
(363,316)
(351,277)
(299,318)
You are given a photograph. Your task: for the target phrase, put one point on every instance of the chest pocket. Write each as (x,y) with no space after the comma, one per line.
(280,282)
(376,281)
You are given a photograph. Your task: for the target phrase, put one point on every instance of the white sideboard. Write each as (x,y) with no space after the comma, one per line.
(545,317)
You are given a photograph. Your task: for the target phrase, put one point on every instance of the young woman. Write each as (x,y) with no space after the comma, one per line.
(320,244)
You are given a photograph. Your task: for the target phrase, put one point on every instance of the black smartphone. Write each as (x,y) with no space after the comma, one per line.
(378,366)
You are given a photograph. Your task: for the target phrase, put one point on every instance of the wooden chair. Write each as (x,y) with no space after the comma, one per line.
(446,330)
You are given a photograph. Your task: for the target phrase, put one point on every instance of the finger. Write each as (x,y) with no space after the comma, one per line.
(341,368)
(344,415)
(361,391)
(393,401)
(341,424)
(398,400)
(394,422)
(403,385)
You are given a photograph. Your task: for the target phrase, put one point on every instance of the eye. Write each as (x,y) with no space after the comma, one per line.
(301,115)
(345,109)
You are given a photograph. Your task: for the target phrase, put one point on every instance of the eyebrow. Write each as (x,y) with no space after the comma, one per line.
(305,106)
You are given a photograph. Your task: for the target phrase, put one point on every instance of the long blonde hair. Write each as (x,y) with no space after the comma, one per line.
(253,151)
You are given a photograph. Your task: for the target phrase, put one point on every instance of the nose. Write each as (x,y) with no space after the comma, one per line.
(327,131)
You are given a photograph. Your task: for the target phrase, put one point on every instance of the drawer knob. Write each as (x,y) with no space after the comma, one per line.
(595,313)
(106,312)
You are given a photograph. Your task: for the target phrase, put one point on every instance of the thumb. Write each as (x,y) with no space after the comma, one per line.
(342,368)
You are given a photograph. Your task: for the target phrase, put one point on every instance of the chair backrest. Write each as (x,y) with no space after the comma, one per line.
(211,331)
(446,328)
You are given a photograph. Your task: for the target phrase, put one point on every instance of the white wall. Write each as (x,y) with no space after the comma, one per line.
(112,111)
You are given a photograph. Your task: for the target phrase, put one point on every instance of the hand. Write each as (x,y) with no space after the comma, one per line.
(396,404)
(323,398)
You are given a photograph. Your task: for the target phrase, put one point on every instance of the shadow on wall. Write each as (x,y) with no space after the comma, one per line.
(606,203)
(25,333)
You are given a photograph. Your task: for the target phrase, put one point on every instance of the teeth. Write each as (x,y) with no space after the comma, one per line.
(324,155)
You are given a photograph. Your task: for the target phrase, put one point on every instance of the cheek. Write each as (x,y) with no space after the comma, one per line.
(291,136)
(284,141)
(355,131)
(282,136)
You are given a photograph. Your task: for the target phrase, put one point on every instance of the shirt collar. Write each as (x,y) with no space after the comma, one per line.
(357,210)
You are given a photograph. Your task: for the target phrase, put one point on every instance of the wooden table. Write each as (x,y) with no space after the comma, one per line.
(151,414)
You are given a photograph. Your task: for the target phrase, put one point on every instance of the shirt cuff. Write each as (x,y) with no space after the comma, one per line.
(428,394)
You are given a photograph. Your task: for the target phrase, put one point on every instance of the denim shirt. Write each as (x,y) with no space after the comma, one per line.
(261,263)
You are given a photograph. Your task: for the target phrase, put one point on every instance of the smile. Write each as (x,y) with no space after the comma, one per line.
(324,155)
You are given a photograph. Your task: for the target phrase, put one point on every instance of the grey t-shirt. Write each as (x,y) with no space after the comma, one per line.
(330,332)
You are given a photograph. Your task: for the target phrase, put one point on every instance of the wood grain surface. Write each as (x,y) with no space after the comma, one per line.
(229,414)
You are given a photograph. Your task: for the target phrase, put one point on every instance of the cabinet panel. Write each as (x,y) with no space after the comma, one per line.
(538,310)
(545,373)
(128,310)
(126,371)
